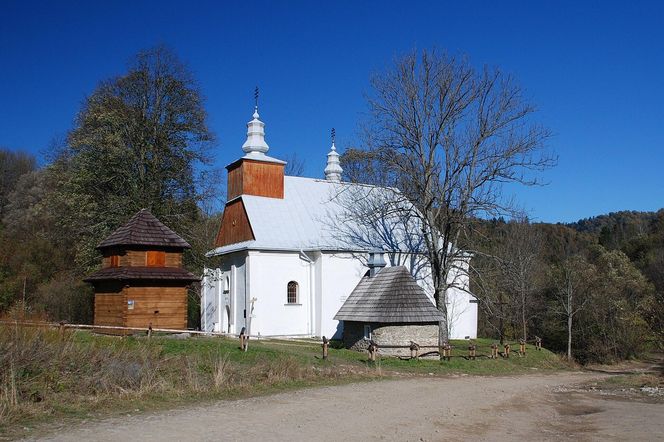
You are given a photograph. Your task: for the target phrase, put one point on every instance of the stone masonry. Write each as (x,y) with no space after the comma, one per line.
(390,334)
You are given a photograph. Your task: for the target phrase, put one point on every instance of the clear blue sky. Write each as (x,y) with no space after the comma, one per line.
(595,70)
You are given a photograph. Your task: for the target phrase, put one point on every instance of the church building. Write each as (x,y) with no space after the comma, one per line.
(285,269)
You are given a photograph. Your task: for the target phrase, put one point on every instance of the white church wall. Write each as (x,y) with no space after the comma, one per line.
(269,275)
(209,300)
(323,286)
(341,272)
(223,295)
(462,314)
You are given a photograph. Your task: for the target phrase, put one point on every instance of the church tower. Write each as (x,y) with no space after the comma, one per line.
(256,173)
(253,174)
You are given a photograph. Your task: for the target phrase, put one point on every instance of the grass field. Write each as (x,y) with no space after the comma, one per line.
(46,376)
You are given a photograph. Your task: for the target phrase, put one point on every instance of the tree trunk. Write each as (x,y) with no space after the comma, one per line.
(570,314)
(569,337)
(443,335)
(523,315)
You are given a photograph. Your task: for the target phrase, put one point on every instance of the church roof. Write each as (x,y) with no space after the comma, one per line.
(307,218)
(391,296)
(144,229)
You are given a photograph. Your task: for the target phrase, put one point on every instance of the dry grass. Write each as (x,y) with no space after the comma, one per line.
(47,374)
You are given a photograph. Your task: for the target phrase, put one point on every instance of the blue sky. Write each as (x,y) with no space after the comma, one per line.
(594,69)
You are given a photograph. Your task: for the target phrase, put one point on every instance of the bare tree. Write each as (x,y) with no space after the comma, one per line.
(375,218)
(519,261)
(453,135)
(574,278)
(294,165)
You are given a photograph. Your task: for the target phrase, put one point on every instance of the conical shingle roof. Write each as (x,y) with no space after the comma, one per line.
(391,296)
(144,229)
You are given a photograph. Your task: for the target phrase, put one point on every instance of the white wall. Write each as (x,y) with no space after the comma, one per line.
(222,303)
(462,313)
(268,276)
(324,285)
(341,273)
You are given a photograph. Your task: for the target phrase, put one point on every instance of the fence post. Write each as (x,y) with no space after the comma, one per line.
(447,351)
(471,351)
(373,348)
(149,331)
(326,343)
(62,330)
(507,351)
(522,347)
(538,343)
(414,350)
(243,338)
(494,351)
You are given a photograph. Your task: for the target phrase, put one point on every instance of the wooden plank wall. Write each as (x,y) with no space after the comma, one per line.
(235,226)
(258,178)
(164,307)
(109,309)
(138,258)
(173,259)
(235,181)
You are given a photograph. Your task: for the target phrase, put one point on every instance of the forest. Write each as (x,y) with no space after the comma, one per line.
(593,289)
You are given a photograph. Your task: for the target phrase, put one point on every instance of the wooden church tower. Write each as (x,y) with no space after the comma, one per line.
(142,281)
(253,174)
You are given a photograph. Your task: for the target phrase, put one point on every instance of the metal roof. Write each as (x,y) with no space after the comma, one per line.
(391,296)
(305,219)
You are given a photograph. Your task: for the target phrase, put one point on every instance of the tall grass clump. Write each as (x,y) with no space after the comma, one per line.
(39,365)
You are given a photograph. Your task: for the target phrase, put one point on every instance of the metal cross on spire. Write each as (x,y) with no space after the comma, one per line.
(256,97)
(334,135)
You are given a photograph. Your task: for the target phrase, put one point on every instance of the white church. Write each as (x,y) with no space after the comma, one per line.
(285,268)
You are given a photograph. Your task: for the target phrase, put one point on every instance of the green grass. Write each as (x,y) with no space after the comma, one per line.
(48,378)
(311,353)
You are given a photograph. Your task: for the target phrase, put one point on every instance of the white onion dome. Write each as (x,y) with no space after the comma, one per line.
(255,144)
(333,169)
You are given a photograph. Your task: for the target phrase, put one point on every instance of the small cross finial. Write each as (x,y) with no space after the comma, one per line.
(256,97)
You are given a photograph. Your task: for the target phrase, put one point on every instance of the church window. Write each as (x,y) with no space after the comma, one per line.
(292,292)
(227,284)
(115,261)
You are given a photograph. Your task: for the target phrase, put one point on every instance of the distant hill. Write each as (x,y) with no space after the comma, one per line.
(616,228)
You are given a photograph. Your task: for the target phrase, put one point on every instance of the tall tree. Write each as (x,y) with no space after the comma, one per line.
(12,166)
(520,264)
(507,269)
(139,142)
(574,278)
(453,135)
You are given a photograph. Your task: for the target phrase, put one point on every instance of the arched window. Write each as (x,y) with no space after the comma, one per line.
(227,284)
(292,292)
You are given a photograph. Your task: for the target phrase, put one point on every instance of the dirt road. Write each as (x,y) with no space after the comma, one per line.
(535,407)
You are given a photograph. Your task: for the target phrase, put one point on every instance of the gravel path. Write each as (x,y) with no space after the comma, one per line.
(533,407)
